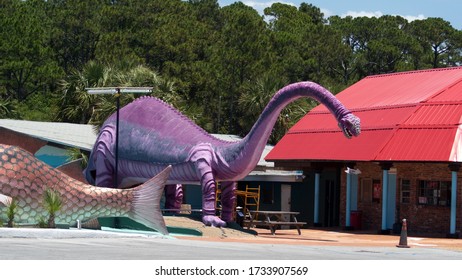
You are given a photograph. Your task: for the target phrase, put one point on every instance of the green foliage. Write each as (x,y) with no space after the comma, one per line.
(27,64)
(80,107)
(75,31)
(8,109)
(42,222)
(239,57)
(438,40)
(11,210)
(77,154)
(52,203)
(254,99)
(76,104)
(38,107)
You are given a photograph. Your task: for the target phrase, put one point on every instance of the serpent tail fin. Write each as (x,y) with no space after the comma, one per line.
(146,201)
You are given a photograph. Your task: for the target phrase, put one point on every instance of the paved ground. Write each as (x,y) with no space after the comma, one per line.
(312,244)
(320,237)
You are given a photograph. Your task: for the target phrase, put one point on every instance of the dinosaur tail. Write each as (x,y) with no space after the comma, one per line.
(146,202)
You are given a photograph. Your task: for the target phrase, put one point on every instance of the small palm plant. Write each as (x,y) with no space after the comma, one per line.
(52,202)
(11,209)
(76,154)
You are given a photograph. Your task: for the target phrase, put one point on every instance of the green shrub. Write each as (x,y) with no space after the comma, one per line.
(11,210)
(52,202)
(42,223)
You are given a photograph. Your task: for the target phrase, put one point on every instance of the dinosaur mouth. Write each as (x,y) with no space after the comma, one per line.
(347,133)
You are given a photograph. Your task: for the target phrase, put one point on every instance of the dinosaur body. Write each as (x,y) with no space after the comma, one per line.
(153,135)
(24,178)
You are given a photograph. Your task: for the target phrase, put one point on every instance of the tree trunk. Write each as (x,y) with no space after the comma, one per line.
(51,221)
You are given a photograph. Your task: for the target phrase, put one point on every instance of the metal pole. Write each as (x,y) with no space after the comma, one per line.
(317,176)
(453,203)
(348,201)
(116,173)
(117,91)
(384,199)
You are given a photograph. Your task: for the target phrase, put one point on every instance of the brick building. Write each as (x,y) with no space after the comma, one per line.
(405,163)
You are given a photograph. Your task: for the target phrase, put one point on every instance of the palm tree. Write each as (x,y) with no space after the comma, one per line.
(52,202)
(77,154)
(256,96)
(76,104)
(138,76)
(11,209)
(7,108)
(80,107)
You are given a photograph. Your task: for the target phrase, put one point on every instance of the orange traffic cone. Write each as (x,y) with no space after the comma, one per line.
(403,237)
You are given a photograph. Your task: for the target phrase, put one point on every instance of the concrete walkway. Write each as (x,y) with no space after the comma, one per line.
(326,237)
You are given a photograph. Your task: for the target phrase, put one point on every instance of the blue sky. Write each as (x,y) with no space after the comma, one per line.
(449,10)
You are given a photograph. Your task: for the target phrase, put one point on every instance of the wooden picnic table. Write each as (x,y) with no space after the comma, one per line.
(274,219)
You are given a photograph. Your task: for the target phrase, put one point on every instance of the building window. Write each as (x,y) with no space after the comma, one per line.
(377,190)
(365,191)
(405,191)
(437,193)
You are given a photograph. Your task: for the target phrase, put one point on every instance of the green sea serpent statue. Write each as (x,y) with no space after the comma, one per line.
(154,135)
(25,178)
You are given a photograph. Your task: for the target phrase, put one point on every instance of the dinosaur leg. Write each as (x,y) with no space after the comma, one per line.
(209,217)
(228,199)
(173,196)
(104,159)
(104,170)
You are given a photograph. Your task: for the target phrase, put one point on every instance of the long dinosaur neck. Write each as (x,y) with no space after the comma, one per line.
(253,144)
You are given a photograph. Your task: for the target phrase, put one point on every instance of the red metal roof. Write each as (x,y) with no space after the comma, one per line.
(329,146)
(421,144)
(408,116)
(436,115)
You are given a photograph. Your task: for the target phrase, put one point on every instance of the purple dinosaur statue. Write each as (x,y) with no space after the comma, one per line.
(154,135)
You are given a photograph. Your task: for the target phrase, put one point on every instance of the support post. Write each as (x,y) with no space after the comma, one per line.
(348,198)
(317,179)
(116,167)
(384,199)
(385,169)
(452,227)
(117,91)
(348,202)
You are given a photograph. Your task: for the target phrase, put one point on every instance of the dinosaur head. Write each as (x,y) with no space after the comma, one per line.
(350,125)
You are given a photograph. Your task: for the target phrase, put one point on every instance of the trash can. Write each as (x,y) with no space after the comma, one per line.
(355,219)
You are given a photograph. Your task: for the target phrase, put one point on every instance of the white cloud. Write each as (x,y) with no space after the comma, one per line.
(379,14)
(363,14)
(327,13)
(412,18)
(260,6)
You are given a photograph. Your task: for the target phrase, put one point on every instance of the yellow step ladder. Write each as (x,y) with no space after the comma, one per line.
(251,197)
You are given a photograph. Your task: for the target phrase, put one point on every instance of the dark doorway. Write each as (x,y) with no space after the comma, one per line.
(331,203)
